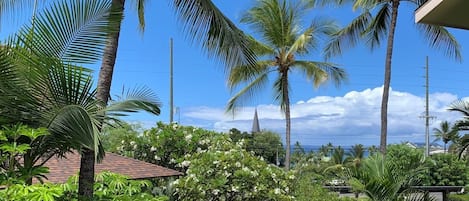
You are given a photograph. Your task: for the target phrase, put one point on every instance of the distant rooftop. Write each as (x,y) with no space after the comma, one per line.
(62,168)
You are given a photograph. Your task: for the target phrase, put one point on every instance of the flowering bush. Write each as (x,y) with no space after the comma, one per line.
(169,145)
(225,171)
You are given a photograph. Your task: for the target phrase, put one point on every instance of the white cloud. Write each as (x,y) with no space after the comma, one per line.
(350,119)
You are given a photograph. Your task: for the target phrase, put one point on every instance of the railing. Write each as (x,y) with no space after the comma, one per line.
(444,190)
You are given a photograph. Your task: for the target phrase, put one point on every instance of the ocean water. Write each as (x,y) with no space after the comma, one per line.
(315,148)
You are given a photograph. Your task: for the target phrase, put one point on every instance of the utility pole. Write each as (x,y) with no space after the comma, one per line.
(427,112)
(171,105)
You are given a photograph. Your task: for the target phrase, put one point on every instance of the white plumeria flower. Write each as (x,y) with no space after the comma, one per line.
(277,191)
(185,163)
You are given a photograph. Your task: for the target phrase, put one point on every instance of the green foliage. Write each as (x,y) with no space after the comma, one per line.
(404,157)
(386,180)
(228,172)
(169,145)
(265,144)
(16,163)
(446,170)
(112,136)
(108,186)
(456,197)
(37,192)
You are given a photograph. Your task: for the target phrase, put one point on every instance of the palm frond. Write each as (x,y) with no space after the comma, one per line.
(74,31)
(460,106)
(440,38)
(348,36)
(140,5)
(277,21)
(243,74)
(319,72)
(319,29)
(379,25)
(281,87)
(14,8)
(258,48)
(204,23)
(247,92)
(138,99)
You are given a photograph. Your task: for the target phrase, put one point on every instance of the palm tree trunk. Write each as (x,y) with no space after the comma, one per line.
(286,98)
(387,78)
(86,175)
(444,149)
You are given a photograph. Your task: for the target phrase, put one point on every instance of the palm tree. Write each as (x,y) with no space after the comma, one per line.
(356,155)
(283,46)
(202,19)
(378,21)
(461,125)
(385,180)
(445,133)
(82,36)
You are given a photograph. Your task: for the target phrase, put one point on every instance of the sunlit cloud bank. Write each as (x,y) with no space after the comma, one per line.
(353,118)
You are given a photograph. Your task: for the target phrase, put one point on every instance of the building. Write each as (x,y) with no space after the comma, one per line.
(449,13)
(255,123)
(60,169)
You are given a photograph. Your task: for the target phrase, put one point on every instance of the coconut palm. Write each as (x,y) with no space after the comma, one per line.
(280,51)
(445,133)
(377,22)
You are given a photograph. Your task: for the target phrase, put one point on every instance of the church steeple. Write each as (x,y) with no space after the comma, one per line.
(255,123)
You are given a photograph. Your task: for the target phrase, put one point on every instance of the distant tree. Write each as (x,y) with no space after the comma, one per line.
(298,154)
(372,149)
(268,145)
(284,43)
(112,136)
(446,133)
(356,155)
(236,135)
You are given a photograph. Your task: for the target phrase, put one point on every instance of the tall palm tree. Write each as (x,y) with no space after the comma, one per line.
(445,133)
(202,20)
(377,22)
(280,51)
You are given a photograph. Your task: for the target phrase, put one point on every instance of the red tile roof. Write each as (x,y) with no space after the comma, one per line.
(62,168)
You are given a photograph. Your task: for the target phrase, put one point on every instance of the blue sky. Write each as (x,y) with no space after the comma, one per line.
(343,116)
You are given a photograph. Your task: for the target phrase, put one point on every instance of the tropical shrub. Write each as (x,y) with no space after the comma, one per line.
(108,186)
(225,171)
(169,144)
(387,180)
(446,170)
(19,150)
